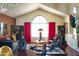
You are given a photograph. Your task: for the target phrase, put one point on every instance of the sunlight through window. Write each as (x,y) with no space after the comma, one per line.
(39,22)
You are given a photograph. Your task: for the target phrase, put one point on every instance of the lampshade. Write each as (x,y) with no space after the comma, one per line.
(40,29)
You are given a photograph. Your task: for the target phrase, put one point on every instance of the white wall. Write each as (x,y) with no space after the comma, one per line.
(71,41)
(49,16)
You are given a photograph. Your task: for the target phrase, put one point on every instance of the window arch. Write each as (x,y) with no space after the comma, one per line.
(39,20)
(37,23)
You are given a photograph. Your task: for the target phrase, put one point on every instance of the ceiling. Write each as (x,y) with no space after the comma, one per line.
(23,8)
(66,8)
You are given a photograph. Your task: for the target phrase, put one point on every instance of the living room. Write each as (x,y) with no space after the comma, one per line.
(29,29)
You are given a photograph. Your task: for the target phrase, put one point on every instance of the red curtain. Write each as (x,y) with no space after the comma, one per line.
(51,30)
(27,32)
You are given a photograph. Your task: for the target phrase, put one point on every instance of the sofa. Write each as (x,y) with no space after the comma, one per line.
(6,43)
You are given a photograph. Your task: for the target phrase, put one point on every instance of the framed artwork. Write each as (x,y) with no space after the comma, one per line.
(17,29)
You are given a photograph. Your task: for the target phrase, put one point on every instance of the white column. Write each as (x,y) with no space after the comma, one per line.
(75,43)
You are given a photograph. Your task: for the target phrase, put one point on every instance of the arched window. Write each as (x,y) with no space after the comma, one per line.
(39,22)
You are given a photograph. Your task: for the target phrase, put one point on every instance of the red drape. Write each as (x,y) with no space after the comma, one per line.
(51,30)
(27,32)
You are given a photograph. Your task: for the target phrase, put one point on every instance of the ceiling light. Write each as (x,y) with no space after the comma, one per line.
(6,6)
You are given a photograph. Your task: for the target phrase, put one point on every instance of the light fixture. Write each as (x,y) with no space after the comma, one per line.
(6,6)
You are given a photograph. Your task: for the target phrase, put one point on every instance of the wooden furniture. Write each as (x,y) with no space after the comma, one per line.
(39,43)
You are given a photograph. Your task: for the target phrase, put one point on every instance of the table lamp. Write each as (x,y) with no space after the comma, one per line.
(40,33)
